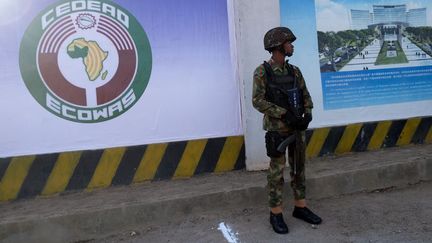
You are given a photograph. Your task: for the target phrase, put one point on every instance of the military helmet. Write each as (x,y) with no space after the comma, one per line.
(277,36)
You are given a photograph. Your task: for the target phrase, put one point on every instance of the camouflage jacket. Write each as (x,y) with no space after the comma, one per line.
(272,113)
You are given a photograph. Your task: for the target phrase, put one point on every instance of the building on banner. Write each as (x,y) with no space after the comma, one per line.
(370,57)
(389,13)
(417,17)
(360,19)
(385,14)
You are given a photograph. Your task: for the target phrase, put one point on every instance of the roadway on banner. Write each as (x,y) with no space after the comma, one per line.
(410,49)
(366,58)
(371,53)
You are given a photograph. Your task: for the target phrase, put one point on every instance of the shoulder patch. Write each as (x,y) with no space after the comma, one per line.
(259,71)
(294,67)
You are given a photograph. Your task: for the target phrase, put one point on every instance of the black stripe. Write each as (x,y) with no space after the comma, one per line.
(422,130)
(210,155)
(4,164)
(332,140)
(241,159)
(170,160)
(308,135)
(363,138)
(393,133)
(37,176)
(128,165)
(84,170)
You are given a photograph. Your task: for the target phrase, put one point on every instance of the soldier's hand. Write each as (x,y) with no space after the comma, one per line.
(304,123)
(307,118)
(291,119)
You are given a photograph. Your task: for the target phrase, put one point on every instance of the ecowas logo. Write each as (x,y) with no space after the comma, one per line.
(86,61)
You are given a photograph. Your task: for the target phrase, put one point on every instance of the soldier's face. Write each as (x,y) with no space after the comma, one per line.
(289,48)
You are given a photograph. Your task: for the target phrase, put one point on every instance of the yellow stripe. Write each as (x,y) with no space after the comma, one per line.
(379,135)
(61,173)
(93,65)
(428,138)
(81,42)
(93,57)
(87,60)
(348,138)
(14,177)
(408,131)
(150,162)
(229,154)
(107,167)
(190,158)
(316,142)
(98,59)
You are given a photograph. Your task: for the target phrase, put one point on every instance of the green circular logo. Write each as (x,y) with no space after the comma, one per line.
(86,61)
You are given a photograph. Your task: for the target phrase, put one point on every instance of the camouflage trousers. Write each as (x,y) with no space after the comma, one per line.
(275,179)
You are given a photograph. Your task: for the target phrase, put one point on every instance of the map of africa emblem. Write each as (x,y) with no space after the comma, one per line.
(86,61)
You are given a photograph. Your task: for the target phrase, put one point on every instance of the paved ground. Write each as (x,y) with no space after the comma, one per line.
(191,210)
(373,49)
(390,215)
(410,49)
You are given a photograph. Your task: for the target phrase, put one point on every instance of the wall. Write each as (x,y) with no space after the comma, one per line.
(165,103)
(52,172)
(253,19)
(333,130)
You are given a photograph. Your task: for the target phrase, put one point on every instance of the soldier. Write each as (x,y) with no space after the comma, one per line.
(279,91)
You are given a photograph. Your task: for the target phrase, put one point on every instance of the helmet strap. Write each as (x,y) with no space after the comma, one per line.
(281,50)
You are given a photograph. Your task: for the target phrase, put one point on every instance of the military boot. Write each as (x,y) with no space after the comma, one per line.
(278,223)
(306,215)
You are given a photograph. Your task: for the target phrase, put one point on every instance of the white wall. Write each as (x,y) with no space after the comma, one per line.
(163,113)
(250,30)
(253,18)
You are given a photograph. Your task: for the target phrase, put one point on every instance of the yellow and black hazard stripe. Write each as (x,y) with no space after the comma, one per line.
(368,136)
(30,176)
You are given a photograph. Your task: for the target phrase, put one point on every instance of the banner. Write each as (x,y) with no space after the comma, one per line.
(88,74)
(372,60)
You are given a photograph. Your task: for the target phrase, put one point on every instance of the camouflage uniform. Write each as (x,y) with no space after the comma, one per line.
(273,121)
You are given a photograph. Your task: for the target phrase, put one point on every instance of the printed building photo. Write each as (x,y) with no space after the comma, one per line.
(374,36)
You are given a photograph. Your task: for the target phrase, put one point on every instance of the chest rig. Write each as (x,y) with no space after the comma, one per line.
(283,90)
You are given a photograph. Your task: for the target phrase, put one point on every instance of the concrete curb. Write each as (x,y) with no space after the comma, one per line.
(393,175)
(211,192)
